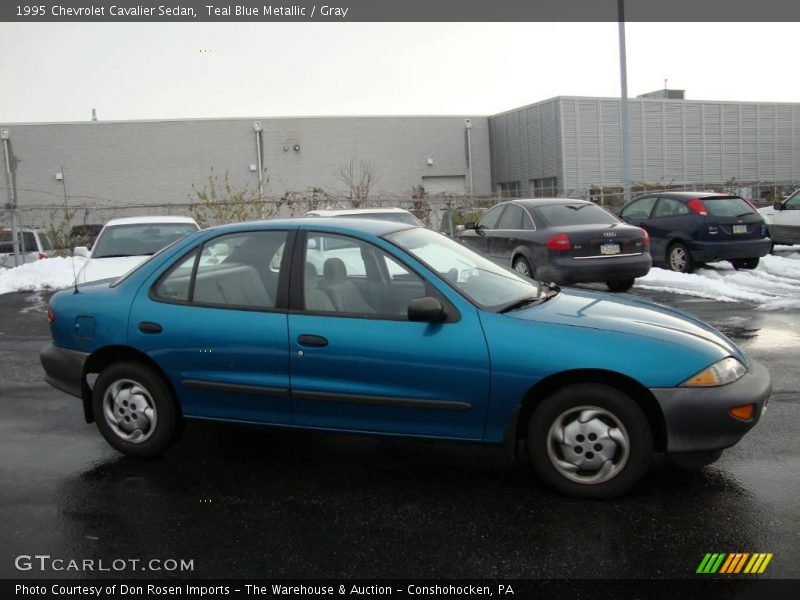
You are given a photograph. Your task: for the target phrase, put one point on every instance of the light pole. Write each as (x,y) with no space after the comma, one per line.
(623,105)
(11,195)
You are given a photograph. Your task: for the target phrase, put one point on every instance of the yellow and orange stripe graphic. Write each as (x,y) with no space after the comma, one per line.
(734,562)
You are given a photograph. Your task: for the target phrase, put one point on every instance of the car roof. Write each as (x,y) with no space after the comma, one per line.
(356,211)
(688,195)
(534,202)
(374,227)
(149,220)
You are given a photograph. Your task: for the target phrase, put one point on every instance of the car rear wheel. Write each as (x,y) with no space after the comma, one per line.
(620,285)
(523,267)
(679,258)
(745,263)
(590,441)
(134,410)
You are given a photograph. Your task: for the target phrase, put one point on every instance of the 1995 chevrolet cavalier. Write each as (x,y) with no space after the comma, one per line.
(386,328)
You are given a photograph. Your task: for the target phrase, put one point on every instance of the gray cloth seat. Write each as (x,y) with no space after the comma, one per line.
(344,295)
(237,286)
(315,298)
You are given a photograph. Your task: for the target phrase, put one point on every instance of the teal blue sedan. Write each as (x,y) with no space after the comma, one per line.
(383,328)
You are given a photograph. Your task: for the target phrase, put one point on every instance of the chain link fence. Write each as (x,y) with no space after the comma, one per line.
(439,212)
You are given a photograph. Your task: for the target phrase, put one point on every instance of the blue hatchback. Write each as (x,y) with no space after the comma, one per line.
(385,328)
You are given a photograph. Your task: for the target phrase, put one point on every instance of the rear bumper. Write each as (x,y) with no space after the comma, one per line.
(697,419)
(711,251)
(586,270)
(63,368)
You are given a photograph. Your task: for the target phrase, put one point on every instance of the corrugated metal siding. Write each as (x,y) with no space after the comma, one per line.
(525,145)
(673,141)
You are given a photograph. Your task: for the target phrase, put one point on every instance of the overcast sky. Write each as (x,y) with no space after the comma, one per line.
(58,72)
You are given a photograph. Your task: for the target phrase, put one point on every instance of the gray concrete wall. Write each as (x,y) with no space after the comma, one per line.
(119,164)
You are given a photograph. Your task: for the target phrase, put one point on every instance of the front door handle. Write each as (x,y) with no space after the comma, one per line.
(149,327)
(312,340)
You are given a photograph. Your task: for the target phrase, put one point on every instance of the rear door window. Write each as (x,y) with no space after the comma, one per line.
(728,207)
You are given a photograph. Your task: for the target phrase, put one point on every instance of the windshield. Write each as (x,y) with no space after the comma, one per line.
(393,217)
(140,239)
(485,283)
(559,215)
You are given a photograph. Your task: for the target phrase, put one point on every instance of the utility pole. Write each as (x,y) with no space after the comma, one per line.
(623,105)
(11,195)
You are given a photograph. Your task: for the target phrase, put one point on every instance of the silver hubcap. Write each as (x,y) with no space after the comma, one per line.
(522,267)
(130,411)
(588,444)
(677,259)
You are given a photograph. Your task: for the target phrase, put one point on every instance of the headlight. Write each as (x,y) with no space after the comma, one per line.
(724,371)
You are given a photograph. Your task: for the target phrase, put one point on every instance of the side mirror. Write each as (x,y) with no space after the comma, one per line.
(426,309)
(81,251)
(470,225)
(778,205)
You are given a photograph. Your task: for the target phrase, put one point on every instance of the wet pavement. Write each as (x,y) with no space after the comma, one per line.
(256,502)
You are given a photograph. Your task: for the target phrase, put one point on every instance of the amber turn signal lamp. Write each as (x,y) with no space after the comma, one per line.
(744,412)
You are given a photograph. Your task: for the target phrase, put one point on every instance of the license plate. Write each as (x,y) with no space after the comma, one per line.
(740,229)
(609,248)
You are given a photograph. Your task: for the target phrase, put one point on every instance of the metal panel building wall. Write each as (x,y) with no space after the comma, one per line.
(119,164)
(672,142)
(525,144)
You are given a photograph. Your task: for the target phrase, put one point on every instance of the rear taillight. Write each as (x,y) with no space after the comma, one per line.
(645,238)
(42,255)
(51,316)
(696,206)
(559,241)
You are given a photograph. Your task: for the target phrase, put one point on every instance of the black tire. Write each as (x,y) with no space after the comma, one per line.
(630,460)
(620,285)
(745,263)
(523,267)
(679,258)
(131,408)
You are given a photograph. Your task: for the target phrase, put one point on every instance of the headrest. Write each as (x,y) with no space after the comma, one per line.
(334,271)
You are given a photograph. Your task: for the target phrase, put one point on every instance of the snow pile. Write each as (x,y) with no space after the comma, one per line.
(46,274)
(774,284)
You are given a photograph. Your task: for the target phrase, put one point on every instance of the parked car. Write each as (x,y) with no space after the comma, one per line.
(783,220)
(444,344)
(85,235)
(124,243)
(34,245)
(398,215)
(687,228)
(562,240)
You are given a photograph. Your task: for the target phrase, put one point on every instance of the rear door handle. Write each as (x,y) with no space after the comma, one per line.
(149,327)
(312,340)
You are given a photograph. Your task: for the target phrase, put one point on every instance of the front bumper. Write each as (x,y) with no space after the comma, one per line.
(63,368)
(711,251)
(566,270)
(697,419)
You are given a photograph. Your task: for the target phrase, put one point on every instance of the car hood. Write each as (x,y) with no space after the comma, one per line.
(610,312)
(96,269)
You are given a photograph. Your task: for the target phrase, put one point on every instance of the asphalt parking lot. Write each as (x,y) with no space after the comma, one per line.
(249,502)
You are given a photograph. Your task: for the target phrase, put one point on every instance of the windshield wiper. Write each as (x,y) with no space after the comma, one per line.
(522,302)
(744,214)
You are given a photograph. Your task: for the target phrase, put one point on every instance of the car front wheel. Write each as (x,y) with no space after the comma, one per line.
(679,258)
(134,410)
(590,441)
(745,263)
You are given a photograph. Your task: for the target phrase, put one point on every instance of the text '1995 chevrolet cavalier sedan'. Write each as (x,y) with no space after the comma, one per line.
(386,328)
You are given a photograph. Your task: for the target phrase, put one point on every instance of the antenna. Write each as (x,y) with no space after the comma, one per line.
(74,273)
